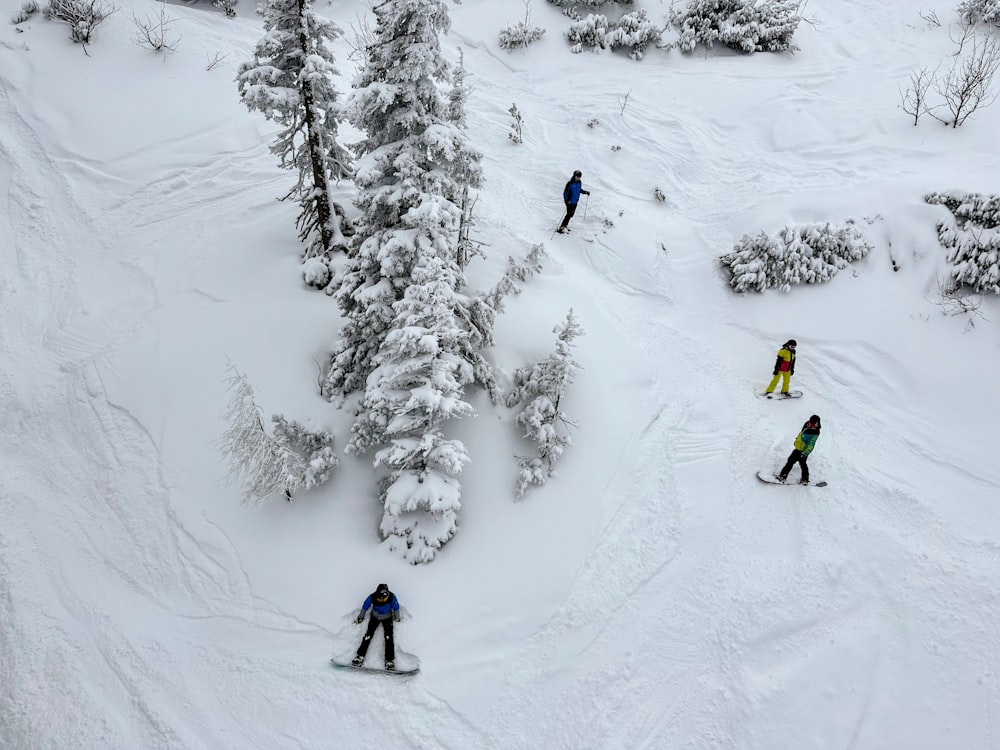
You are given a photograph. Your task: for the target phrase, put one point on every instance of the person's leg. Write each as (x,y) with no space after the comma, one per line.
(366,641)
(786,379)
(773,384)
(792,458)
(805,467)
(570,211)
(390,646)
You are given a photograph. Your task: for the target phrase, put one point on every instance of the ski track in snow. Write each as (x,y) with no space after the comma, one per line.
(705,604)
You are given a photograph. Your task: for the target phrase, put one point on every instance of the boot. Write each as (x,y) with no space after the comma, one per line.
(390,665)
(357,661)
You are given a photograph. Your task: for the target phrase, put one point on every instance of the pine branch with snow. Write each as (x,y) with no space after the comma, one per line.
(543,385)
(744,25)
(972,238)
(802,254)
(290,82)
(522,33)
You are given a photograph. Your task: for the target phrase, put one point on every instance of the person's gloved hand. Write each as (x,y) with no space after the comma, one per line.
(396,617)
(775,371)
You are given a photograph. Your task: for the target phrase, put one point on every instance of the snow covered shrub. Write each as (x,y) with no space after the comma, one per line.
(635,32)
(293,458)
(803,254)
(972,238)
(572,4)
(316,273)
(659,195)
(590,31)
(980,11)
(515,127)
(744,25)
(543,385)
(522,34)
(28,9)
(83,17)
(228,7)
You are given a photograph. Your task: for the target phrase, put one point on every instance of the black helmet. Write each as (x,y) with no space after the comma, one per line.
(578,173)
(791,342)
(382,587)
(815,419)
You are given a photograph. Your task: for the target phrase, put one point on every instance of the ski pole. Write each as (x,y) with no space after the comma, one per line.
(585,205)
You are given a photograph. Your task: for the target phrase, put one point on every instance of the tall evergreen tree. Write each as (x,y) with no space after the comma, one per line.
(415,388)
(412,165)
(290,81)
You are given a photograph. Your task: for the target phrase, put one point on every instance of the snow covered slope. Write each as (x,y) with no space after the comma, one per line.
(654,594)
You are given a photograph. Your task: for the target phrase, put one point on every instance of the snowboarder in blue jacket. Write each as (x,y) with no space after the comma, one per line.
(384,608)
(571,196)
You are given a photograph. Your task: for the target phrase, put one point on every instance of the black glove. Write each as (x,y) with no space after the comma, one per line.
(585,192)
(775,371)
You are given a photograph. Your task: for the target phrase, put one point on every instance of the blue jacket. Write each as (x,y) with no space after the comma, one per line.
(806,440)
(380,611)
(571,193)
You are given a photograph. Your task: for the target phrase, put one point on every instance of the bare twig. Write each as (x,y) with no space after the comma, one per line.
(930,17)
(214,61)
(914,99)
(968,86)
(623,102)
(152,33)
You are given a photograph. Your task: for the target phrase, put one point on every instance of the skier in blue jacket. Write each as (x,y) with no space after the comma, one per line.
(804,444)
(385,610)
(571,196)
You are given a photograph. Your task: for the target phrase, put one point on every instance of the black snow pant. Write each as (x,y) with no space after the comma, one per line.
(570,210)
(799,457)
(390,647)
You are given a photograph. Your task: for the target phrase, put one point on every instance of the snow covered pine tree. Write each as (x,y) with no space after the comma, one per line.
(542,420)
(407,339)
(290,81)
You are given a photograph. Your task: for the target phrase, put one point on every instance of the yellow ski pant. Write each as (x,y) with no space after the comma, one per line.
(785,377)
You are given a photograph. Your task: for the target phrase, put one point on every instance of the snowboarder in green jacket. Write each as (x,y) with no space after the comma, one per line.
(804,444)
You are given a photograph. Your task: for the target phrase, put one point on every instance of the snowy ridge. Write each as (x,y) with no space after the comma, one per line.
(652,594)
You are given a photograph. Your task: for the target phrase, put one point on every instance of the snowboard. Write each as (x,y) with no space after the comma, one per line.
(401,669)
(771,479)
(777,396)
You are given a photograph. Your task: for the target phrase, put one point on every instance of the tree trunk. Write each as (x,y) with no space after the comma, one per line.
(317,155)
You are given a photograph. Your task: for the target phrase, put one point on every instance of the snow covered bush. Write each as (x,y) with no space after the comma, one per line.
(543,385)
(515,133)
(293,458)
(972,238)
(803,254)
(228,7)
(633,31)
(980,11)
(744,25)
(571,4)
(27,10)
(82,16)
(521,34)
(588,32)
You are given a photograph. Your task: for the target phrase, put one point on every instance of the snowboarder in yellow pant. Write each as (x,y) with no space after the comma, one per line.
(784,368)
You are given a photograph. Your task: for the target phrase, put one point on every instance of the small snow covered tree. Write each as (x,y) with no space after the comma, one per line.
(744,25)
(228,7)
(980,11)
(972,238)
(82,16)
(515,133)
(412,167)
(542,385)
(591,31)
(635,32)
(573,4)
(293,458)
(802,254)
(521,34)
(415,388)
(290,81)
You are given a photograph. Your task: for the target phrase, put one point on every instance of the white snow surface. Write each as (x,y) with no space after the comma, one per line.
(653,594)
